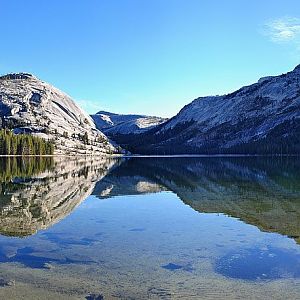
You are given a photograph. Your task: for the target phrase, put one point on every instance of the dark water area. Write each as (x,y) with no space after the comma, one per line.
(150,228)
(260,264)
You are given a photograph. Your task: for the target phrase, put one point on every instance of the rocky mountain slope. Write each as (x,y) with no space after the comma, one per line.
(30,105)
(261,118)
(115,124)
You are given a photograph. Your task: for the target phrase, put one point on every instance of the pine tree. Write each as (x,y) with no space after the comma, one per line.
(24,144)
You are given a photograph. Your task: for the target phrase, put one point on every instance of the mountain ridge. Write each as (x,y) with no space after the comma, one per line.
(261,118)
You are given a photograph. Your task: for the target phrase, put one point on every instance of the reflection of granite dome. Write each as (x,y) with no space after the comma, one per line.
(261,192)
(44,199)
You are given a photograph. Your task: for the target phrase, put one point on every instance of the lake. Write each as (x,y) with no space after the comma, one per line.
(150,228)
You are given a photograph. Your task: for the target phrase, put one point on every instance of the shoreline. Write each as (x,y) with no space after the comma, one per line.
(213,155)
(156,155)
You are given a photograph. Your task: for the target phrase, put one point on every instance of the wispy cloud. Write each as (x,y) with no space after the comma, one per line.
(89,106)
(282,30)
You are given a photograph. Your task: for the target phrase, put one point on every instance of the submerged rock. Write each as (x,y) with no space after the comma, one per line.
(5,282)
(94,297)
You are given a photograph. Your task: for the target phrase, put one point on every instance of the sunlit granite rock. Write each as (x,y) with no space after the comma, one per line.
(30,105)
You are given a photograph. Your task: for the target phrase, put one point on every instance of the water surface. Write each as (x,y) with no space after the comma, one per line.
(150,228)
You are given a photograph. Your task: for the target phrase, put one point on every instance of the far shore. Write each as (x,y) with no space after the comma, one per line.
(156,155)
(214,155)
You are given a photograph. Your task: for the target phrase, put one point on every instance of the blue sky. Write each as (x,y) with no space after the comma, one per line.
(151,57)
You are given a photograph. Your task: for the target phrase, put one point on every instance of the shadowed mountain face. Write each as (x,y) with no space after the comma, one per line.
(37,193)
(264,192)
(262,118)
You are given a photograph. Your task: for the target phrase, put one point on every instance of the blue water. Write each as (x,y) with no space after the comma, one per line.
(158,225)
(161,236)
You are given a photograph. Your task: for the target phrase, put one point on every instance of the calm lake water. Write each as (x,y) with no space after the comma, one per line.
(150,228)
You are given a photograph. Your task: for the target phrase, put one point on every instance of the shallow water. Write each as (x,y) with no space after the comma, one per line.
(150,228)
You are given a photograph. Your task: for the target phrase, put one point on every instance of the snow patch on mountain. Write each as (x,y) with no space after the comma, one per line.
(113,124)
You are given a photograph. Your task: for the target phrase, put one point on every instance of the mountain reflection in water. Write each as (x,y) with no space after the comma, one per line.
(35,193)
(265,192)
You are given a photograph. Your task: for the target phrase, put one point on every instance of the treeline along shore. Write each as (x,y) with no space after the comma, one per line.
(23,144)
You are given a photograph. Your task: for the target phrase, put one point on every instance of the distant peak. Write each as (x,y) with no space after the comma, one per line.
(102,112)
(11,76)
